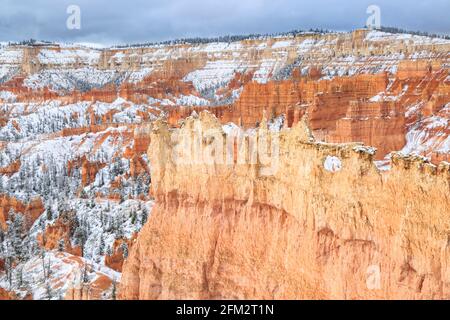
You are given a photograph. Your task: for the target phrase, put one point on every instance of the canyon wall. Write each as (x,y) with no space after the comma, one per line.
(308,231)
(74,135)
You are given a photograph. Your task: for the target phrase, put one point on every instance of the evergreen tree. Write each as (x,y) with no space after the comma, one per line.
(101,246)
(144,216)
(61,245)
(124,247)
(114,289)
(85,275)
(48,214)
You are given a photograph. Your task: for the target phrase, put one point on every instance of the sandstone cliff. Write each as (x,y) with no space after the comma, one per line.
(307,231)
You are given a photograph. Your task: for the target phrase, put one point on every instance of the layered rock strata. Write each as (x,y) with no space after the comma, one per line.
(308,230)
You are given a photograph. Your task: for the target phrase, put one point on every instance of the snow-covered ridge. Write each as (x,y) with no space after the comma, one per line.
(408,38)
(65,56)
(30,119)
(64,68)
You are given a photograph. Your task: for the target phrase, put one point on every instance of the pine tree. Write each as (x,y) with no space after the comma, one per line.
(114,289)
(61,245)
(48,214)
(48,291)
(144,216)
(124,247)
(80,238)
(85,275)
(109,251)
(101,246)
(19,276)
(133,217)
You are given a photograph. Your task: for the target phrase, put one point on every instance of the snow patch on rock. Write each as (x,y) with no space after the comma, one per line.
(332,164)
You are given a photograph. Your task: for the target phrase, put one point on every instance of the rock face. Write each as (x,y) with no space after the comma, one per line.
(5,295)
(116,259)
(56,235)
(306,231)
(31,211)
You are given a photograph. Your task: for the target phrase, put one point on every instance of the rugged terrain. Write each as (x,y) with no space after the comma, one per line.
(77,184)
(308,230)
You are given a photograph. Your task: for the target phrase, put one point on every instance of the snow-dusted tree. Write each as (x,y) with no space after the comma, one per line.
(16,234)
(79,238)
(124,248)
(144,216)
(48,291)
(61,245)
(85,274)
(133,216)
(19,276)
(101,246)
(114,289)
(49,214)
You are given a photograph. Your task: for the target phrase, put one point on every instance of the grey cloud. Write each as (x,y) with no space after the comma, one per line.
(139,20)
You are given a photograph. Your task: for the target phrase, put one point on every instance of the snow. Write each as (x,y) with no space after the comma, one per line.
(426,135)
(382,96)
(32,133)
(90,45)
(110,221)
(214,75)
(276,124)
(436,122)
(10,55)
(383,165)
(7,96)
(413,109)
(231,129)
(282,44)
(219,47)
(377,36)
(191,100)
(366,149)
(63,272)
(266,69)
(138,76)
(70,79)
(332,164)
(66,56)
(444,146)
(50,117)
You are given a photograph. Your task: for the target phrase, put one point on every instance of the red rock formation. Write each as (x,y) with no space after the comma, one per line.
(379,124)
(346,109)
(116,260)
(11,169)
(31,211)
(300,232)
(6,295)
(92,291)
(138,166)
(89,170)
(417,68)
(60,230)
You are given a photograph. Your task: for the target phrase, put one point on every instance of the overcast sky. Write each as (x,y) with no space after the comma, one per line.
(131,21)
